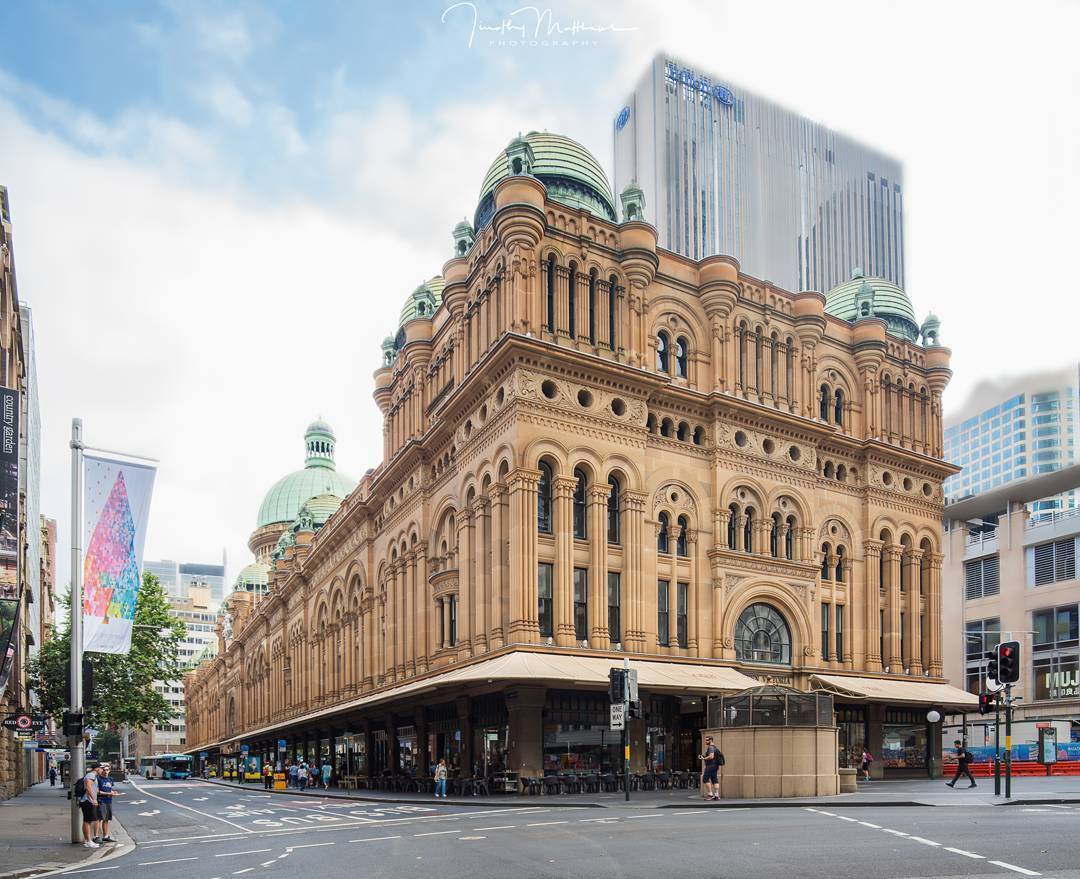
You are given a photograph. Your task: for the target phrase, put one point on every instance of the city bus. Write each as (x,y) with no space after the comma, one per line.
(165,766)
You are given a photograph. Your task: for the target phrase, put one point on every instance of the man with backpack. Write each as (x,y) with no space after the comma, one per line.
(963,758)
(86,792)
(712,760)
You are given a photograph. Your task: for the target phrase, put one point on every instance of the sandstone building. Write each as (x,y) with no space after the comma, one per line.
(598,449)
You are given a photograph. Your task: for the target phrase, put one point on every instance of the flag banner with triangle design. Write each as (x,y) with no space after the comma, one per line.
(116,506)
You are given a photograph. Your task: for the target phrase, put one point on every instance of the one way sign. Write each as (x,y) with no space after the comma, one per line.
(618,715)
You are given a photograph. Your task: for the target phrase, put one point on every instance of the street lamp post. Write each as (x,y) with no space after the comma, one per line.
(76,747)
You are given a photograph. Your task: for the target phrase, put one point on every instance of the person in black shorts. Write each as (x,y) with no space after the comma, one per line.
(963,758)
(712,760)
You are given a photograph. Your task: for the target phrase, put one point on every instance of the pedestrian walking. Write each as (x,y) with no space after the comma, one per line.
(867,759)
(292,774)
(302,776)
(268,776)
(86,791)
(440,779)
(963,759)
(52,775)
(327,770)
(711,761)
(105,803)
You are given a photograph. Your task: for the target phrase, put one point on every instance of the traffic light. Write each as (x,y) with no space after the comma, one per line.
(634,709)
(986,703)
(992,665)
(617,686)
(1009,662)
(73,724)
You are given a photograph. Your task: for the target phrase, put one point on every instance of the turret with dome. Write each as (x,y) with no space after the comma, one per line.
(864,297)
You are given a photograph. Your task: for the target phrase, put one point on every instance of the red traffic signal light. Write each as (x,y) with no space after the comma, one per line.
(1008,655)
(991,665)
(986,703)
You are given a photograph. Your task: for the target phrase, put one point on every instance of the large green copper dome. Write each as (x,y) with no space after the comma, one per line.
(568,170)
(863,297)
(319,477)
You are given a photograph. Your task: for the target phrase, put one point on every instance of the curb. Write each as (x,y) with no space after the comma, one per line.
(124,845)
(794,804)
(1045,802)
(452,801)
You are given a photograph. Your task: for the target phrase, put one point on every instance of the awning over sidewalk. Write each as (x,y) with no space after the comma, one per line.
(552,669)
(894,691)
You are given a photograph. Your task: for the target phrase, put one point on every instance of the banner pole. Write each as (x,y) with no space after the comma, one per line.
(75,743)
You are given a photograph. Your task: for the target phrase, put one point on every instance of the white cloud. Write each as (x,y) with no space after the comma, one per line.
(227,36)
(224,99)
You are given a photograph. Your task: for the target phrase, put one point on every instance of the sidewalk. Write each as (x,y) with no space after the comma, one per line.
(901,792)
(35,834)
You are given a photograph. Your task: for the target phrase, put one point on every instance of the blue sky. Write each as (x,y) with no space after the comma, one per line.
(218,208)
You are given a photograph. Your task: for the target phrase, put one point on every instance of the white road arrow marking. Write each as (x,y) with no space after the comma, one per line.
(151,813)
(200,799)
(137,802)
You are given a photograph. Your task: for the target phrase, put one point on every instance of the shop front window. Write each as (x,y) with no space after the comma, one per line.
(851,734)
(904,740)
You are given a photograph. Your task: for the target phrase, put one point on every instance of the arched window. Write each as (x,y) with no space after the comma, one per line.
(826,565)
(742,354)
(838,408)
(579,504)
(667,427)
(551,294)
(543,499)
(612,292)
(662,351)
(650,423)
(824,401)
(682,348)
(662,534)
(571,297)
(732,524)
(683,433)
(748,530)
(613,510)
(839,564)
(681,540)
(789,373)
(774,359)
(789,539)
(699,436)
(762,635)
(774,536)
(592,306)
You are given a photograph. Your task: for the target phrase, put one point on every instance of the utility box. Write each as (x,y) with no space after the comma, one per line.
(1047,747)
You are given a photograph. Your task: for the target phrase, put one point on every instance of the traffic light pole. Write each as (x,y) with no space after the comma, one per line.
(997,747)
(75,743)
(1008,741)
(625,731)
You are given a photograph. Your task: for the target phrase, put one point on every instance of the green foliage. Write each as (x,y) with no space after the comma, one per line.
(124,691)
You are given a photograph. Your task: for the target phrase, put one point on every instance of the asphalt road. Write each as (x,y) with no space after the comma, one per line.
(192,830)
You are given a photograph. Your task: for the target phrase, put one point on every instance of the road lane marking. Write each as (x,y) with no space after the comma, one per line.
(597,820)
(437,833)
(632,817)
(463,838)
(868,824)
(1015,869)
(171,844)
(966,854)
(170,861)
(924,841)
(823,812)
(374,838)
(254,851)
(500,827)
(266,863)
(88,870)
(241,872)
(845,818)
(190,809)
(893,832)
(309,845)
(546,823)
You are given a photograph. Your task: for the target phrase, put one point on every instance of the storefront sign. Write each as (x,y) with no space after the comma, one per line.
(24,722)
(1063,684)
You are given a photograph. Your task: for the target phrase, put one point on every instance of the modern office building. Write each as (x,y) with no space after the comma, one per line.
(178,578)
(726,171)
(1010,572)
(197,613)
(597,450)
(1014,429)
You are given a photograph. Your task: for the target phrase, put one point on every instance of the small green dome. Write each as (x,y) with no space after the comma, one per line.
(253,578)
(863,297)
(319,477)
(322,507)
(570,172)
(423,301)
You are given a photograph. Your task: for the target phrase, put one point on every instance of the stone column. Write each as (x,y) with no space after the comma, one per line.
(563,491)
(482,588)
(914,638)
(633,564)
(524,625)
(893,555)
(597,511)
(717,592)
(466,581)
(525,707)
(498,610)
(412,611)
(422,606)
(872,604)
(933,613)
(693,609)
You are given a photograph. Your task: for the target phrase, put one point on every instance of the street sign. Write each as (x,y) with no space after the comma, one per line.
(618,716)
(281,744)
(243,749)
(23,722)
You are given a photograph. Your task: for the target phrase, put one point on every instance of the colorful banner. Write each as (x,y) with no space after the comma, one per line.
(9,530)
(116,506)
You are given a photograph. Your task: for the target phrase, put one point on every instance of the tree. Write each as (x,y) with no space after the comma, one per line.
(124,691)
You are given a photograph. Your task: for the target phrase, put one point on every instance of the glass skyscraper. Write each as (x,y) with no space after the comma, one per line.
(725,171)
(1015,429)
